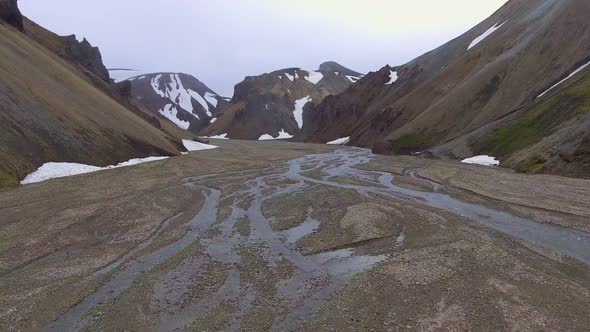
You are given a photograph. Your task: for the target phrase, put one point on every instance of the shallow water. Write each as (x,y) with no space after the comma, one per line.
(316,278)
(566,241)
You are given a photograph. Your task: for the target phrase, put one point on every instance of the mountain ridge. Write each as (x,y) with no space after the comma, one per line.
(59,111)
(495,69)
(182,98)
(273,103)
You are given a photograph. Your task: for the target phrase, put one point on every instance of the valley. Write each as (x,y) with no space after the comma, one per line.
(291,236)
(450,192)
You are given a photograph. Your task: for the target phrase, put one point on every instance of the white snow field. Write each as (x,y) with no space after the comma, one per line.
(314,76)
(482,160)
(565,79)
(282,135)
(197,146)
(298,112)
(485,35)
(353,79)
(53,170)
(392,77)
(340,141)
(222,136)
(171,113)
(211,98)
(175,91)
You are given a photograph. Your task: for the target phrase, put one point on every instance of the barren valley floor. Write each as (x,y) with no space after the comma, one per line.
(283,236)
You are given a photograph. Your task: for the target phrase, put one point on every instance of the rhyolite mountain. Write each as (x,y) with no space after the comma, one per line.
(274,105)
(182,98)
(485,92)
(54,108)
(79,53)
(10,14)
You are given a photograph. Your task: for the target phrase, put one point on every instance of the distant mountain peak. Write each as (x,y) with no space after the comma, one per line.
(333,66)
(181,98)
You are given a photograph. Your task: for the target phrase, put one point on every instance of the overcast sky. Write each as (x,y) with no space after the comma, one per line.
(222,41)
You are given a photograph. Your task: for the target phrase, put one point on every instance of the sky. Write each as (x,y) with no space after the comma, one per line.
(222,41)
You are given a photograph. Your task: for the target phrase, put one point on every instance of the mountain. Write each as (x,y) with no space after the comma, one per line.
(79,53)
(10,14)
(181,98)
(485,92)
(52,108)
(274,105)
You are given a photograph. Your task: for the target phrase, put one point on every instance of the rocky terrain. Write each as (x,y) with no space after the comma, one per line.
(485,92)
(54,107)
(275,105)
(282,236)
(81,54)
(286,236)
(9,13)
(181,98)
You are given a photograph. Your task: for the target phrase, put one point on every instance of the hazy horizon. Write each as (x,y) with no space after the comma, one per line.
(222,42)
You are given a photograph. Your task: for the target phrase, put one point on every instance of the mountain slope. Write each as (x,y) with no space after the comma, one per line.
(274,105)
(10,14)
(50,111)
(81,54)
(468,85)
(181,98)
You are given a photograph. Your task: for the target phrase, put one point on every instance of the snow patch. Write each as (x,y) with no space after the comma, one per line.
(180,95)
(201,101)
(53,170)
(156,86)
(314,76)
(485,35)
(212,120)
(171,113)
(392,77)
(290,77)
(222,136)
(565,79)
(211,98)
(353,79)
(282,135)
(482,160)
(197,146)
(340,141)
(177,93)
(298,112)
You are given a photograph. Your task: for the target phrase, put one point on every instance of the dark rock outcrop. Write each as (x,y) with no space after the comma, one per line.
(123,88)
(335,67)
(86,55)
(10,13)
(81,54)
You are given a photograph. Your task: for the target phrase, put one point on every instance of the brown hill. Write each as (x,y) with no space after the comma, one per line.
(277,102)
(50,110)
(478,93)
